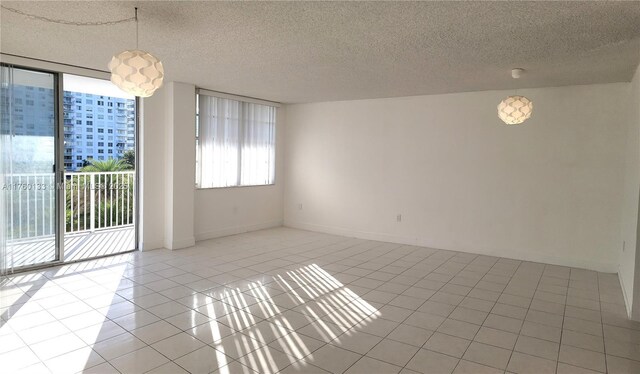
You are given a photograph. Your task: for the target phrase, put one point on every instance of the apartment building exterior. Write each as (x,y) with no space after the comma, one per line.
(96,128)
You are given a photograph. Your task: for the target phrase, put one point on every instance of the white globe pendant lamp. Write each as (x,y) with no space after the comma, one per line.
(515,109)
(135,71)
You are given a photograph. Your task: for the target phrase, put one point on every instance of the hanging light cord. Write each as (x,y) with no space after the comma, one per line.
(64,22)
(136,19)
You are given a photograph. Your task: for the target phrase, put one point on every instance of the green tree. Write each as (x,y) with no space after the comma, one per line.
(129,157)
(98,166)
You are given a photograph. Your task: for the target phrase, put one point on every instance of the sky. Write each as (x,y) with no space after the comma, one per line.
(93,86)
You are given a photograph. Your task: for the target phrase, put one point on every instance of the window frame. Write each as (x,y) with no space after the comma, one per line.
(222,95)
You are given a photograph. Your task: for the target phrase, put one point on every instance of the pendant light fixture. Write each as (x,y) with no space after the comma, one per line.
(135,71)
(515,109)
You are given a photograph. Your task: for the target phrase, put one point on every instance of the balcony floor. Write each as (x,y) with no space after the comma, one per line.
(77,246)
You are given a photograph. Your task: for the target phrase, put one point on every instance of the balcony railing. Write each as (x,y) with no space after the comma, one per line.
(93,201)
(99,200)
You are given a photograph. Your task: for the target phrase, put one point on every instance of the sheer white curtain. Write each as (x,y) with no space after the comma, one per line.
(258,145)
(236,143)
(219,142)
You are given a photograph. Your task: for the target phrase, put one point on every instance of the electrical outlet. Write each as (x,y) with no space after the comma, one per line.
(300,206)
(399,218)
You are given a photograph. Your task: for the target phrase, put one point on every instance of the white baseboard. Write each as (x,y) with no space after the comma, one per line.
(151,245)
(183,243)
(607,267)
(237,230)
(625,294)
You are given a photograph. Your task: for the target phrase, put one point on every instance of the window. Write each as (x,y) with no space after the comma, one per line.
(100,131)
(235,143)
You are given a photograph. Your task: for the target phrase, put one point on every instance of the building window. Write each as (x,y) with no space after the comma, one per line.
(100,102)
(79,158)
(235,143)
(100,144)
(100,150)
(100,131)
(109,131)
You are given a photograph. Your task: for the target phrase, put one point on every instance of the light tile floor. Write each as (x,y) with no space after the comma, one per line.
(291,301)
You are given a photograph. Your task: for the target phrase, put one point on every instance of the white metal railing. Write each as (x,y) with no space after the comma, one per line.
(99,200)
(92,200)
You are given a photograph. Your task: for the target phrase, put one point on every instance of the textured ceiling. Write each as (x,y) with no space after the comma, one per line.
(321,51)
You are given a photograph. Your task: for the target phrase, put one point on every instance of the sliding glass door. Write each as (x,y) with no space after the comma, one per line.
(68,178)
(29,220)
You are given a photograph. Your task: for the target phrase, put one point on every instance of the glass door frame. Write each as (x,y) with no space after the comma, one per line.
(58,172)
(58,70)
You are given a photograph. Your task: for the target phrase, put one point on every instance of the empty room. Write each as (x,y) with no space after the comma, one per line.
(319,187)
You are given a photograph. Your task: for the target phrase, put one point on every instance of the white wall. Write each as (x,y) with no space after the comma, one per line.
(630,229)
(549,190)
(180,161)
(227,211)
(152,170)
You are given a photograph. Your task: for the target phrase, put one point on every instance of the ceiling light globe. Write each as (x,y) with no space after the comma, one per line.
(514,110)
(136,72)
